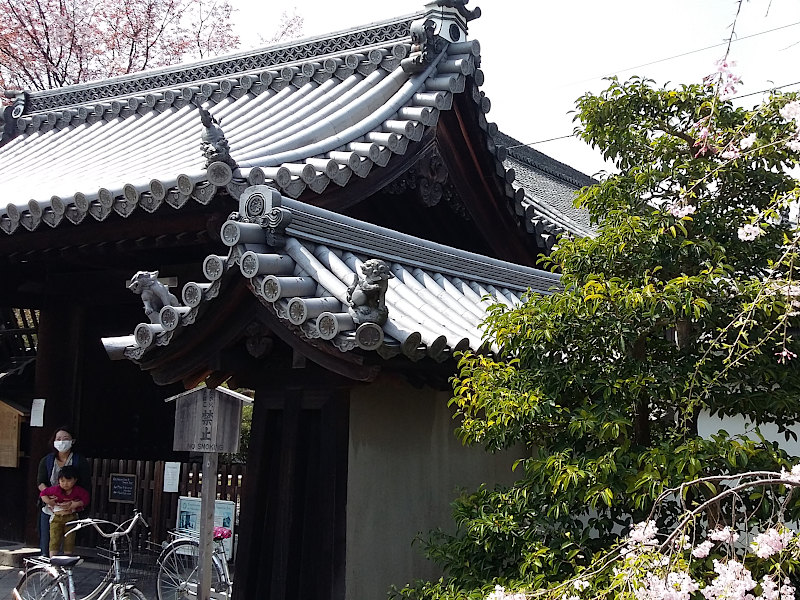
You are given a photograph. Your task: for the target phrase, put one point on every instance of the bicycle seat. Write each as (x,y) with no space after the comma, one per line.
(65,561)
(221,533)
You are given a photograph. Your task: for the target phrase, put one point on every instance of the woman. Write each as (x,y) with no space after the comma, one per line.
(49,467)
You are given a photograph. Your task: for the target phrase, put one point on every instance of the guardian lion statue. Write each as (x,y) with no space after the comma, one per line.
(155,294)
(366,296)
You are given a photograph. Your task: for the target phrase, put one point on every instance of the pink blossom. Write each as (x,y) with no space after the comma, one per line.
(749,232)
(679,212)
(580,584)
(748,141)
(702,549)
(791,111)
(793,144)
(785,355)
(500,593)
(787,592)
(643,533)
(769,589)
(731,153)
(794,475)
(676,586)
(725,535)
(733,581)
(724,78)
(771,542)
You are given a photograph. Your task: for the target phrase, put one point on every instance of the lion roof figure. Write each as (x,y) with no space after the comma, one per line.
(155,294)
(367,295)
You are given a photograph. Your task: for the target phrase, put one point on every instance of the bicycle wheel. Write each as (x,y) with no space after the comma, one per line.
(131,593)
(40,583)
(179,570)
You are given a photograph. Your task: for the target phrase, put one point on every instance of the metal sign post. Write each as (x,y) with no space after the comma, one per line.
(209,421)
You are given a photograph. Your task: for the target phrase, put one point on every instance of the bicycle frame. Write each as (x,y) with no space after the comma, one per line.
(191,535)
(111,584)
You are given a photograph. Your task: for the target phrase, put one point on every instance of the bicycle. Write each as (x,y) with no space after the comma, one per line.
(51,579)
(178,566)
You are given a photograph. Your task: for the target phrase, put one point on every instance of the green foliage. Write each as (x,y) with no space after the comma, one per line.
(665,313)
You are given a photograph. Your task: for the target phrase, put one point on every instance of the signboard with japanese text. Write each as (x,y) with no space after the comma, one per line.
(207,420)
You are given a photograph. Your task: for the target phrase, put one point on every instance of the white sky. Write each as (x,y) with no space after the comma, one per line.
(538,57)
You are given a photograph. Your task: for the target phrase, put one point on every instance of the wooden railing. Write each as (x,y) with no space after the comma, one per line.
(157,506)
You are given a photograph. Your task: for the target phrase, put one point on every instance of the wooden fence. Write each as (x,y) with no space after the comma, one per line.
(158,507)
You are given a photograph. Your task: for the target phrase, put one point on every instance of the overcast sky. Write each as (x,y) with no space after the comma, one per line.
(538,57)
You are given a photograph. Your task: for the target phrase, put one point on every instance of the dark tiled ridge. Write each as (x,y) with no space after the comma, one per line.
(542,162)
(217,68)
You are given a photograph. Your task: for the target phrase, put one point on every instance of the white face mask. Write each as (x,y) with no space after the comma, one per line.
(62,445)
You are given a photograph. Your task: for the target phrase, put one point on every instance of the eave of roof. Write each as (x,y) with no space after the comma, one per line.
(298,117)
(436,301)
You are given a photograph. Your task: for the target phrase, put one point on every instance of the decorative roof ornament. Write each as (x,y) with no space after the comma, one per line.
(9,116)
(461,7)
(260,215)
(213,143)
(155,295)
(444,22)
(366,296)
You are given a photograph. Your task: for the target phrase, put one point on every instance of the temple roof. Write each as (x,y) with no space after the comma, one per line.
(302,117)
(300,261)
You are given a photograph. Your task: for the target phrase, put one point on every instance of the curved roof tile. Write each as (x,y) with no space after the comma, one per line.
(298,116)
(436,300)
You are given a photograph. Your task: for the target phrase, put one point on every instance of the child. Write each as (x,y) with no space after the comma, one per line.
(65,499)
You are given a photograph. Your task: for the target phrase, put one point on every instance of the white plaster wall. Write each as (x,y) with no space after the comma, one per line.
(405,467)
(708,425)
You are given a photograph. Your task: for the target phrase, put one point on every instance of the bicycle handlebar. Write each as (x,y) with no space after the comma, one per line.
(119,532)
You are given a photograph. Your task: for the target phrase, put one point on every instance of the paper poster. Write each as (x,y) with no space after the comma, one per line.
(37,412)
(172,474)
(224,516)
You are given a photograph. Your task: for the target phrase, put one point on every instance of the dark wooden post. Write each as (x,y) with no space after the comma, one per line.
(59,367)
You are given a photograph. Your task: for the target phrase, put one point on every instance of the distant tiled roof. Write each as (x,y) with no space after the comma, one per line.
(436,300)
(550,188)
(299,116)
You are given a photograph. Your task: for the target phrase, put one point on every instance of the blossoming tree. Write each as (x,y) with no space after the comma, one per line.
(685,302)
(53,43)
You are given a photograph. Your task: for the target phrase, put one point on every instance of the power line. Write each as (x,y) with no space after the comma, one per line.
(690,52)
(564,137)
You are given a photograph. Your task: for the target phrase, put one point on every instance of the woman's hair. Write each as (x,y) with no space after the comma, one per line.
(67,428)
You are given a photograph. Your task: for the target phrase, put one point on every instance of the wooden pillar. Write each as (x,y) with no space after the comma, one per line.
(293,517)
(59,371)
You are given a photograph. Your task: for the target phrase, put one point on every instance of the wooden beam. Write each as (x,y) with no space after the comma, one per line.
(472,173)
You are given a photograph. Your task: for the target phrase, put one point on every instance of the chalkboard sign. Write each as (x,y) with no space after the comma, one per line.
(122,488)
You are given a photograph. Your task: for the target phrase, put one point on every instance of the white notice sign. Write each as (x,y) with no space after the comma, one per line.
(172,474)
(37,412)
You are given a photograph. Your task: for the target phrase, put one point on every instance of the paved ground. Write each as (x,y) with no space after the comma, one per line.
(86,576)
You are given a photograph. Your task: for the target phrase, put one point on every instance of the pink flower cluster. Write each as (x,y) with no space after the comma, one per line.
(725,535)
(791,112)
(643,533)
(724,79)
(771,542)
(785,355)
(732,582)
(793,475)
(749,232)
(677,585)
(681,211)
(500,593)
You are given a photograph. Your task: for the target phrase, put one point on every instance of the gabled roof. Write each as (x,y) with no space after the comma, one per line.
(301,117)
(300,260)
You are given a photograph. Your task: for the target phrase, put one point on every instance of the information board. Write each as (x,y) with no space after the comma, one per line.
(122,488)
(224,516)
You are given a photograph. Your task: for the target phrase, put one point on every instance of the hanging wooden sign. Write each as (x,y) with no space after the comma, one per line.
(207,420)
